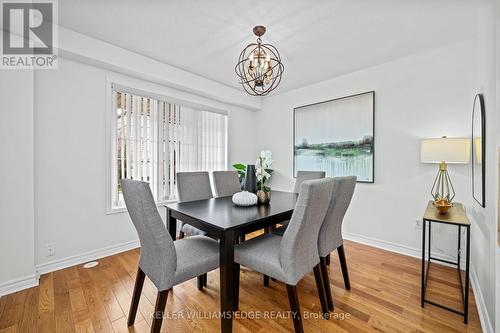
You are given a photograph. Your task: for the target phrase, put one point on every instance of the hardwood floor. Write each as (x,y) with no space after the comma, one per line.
(385,296)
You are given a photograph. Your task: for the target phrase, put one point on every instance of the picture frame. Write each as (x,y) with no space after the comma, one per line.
(336,136)
(478,151)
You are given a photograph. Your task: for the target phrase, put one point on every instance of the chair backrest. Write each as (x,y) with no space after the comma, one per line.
(330,234)
(299,245)
(306,175)
(158,257)
(193,186)
(226,183)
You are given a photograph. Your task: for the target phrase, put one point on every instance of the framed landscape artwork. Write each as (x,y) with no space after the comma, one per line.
(337,137)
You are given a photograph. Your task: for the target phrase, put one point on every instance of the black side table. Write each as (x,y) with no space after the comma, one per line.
(455,216)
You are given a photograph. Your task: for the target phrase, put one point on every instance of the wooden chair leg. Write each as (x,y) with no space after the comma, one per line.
(202,281)
(295,308)
(343,265)
(236,299)
(267,230)
(161,301)
(320,285)
(326,282)
(328,260)
(139,282)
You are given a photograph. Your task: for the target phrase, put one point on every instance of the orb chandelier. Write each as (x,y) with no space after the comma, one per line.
(259,66)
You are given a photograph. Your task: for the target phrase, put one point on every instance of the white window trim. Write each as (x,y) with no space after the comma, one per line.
(152,90)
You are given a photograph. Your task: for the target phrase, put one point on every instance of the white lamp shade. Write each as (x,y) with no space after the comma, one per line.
(449,150)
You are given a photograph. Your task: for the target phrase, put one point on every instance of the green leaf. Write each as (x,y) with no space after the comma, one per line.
(269,171)
(267,189)
(239,166)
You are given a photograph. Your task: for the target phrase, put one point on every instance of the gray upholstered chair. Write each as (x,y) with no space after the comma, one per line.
(165,262)
(226,183)
(301,177)
(291,257)
(330,235)
(306,175)
(192,186)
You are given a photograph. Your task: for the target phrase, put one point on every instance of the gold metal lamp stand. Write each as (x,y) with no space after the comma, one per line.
(442,189)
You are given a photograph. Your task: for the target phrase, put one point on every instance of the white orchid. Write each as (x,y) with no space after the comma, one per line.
(267,158)
(262,166)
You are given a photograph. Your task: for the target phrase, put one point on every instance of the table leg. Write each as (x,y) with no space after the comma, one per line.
(172,225)
(422,297)
(226,253)
(429,241)
(467,259)
(459,249)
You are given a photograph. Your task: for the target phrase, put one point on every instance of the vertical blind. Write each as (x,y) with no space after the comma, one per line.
(153,139)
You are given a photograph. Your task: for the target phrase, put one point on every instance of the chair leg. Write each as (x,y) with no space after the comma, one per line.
(326,282)
(181,232)
(343,265)
(321,291)
(295,308)
(139,282)
(267,230)
(236,299)
(327,260)
(202,281)
(161,301)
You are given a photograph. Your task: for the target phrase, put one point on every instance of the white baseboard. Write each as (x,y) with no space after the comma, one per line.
(417,253)
(398,248)
(484,317)
(12,286)
(85,257)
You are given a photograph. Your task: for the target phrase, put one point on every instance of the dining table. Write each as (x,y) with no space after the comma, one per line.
(223,220)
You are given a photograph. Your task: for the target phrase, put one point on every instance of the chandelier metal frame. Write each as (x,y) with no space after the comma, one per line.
(267,80)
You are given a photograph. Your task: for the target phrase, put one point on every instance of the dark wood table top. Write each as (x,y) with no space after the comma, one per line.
(456,214)
(222,214)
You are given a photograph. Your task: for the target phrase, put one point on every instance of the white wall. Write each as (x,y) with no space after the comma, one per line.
(16,174)
(497,275)
(70,154)
(53,169)
(484,226)
(422,96)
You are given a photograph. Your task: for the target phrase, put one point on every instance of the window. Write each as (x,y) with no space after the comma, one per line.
(152,139)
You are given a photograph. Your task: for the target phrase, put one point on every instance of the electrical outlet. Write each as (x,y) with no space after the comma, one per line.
(418,223)
(50,249)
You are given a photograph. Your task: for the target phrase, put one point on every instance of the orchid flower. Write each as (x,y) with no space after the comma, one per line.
(262,165)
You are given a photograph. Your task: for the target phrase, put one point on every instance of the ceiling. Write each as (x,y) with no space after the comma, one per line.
(317,39)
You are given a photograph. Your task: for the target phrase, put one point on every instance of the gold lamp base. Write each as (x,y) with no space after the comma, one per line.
(442,189)
(443,205)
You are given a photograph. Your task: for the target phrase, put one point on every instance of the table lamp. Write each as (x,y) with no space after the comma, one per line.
(444,151)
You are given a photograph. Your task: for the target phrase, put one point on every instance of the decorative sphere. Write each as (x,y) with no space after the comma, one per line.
(244,198)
